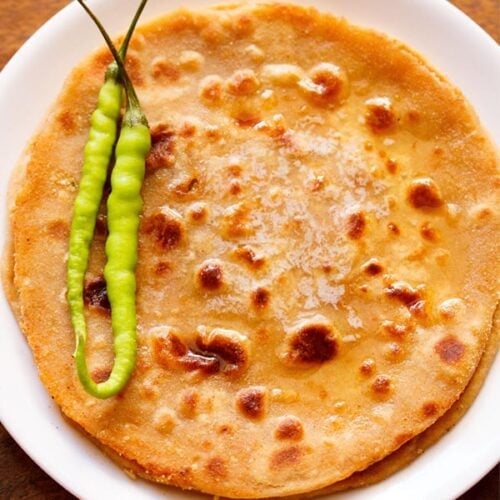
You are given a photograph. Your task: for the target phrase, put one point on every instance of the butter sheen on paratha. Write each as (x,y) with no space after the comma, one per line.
(317,265)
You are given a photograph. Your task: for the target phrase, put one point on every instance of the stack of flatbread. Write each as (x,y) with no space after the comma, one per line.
(318,254)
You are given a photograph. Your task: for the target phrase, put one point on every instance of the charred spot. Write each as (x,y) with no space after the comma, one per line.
(198,212)
(210,275)
(450,349)
(327,268)
(188,404)
(252,402)
(217,468)
(286,457)
(367,367)
(381,385)
(261,297)
(188,129)
(161,154)
(100,375)
(430,409)
(404,293)
(313,344)
(372,267)
(424,193)
(165,227)
(186,186)
(242,82)
(413,116)
(225,429)
(325,84)
(235,169)
(356,224)
(165,71)
(428,232)
(329,82)
(211,88)
(181,477)
(275,128)
(163,267)
(170,344)
(289,428)
(170,351)
(393,228)
(419,308)
(391,165)
(395,330)
(231,354)
(206,363)
(213,132)
(234,187)
(481,212)
(235,223)
(380,116)
(246,254)
(95,294)
(287,141)
(246,117)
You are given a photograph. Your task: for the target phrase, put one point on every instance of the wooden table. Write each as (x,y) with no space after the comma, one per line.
(20,477)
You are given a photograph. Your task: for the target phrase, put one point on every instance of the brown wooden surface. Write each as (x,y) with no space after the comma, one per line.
(20,477)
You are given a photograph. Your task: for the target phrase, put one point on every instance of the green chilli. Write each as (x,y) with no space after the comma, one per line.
(124,206)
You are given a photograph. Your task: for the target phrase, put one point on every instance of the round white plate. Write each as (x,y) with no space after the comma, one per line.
(30,83)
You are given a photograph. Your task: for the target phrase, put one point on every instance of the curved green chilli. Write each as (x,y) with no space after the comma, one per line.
(124,207)
(97,154)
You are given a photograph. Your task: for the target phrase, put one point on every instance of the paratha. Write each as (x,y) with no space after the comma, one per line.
(318,257)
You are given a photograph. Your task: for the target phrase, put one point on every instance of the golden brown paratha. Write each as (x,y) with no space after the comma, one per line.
(317,269)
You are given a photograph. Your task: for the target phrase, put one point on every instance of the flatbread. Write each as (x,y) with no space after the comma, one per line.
(317,266)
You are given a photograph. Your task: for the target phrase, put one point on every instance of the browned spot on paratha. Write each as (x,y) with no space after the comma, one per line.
(260,298)
(95,294)
(289,428)
(166,227)
(252,402)
(356,224)
(450,349)
(210,276)
(430,409)
(287,457)
(312,343)
(423,193)
(161,154)
(216,467)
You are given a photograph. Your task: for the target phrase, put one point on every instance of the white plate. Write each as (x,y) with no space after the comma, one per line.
(28,85)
